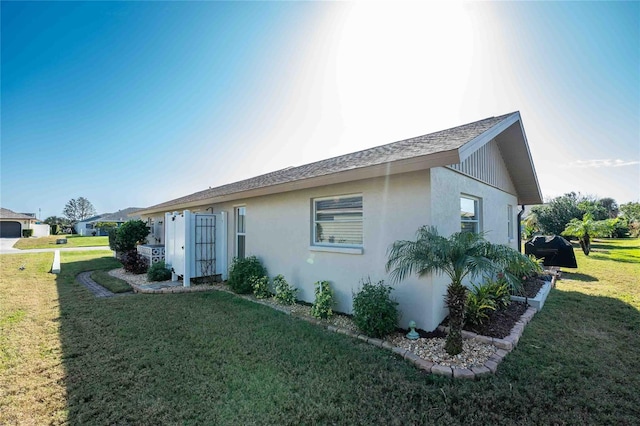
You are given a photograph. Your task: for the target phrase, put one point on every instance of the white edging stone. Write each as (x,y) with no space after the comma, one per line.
(55,268)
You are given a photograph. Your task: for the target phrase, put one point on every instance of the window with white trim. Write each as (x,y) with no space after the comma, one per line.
(337,221)
(470,214)
(241,235)
(510,222)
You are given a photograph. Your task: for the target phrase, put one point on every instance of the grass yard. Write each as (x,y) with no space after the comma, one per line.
(212,358)
(50,242)
(113,284)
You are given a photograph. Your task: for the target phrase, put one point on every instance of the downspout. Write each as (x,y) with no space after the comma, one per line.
(520,228)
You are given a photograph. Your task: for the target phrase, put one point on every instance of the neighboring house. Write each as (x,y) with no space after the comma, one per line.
(335,219)
(12,224)
(88,226)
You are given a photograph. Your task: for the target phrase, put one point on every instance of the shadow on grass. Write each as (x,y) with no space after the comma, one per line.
(212,358)
(615,258)
(578,276)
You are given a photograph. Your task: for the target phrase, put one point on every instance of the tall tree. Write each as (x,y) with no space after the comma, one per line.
(554,215)
(78,209)
(611,207)
(463,254)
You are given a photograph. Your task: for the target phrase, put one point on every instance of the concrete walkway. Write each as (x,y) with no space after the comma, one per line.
(84,278)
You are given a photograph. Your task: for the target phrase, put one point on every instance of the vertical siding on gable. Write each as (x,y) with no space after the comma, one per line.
(488,166)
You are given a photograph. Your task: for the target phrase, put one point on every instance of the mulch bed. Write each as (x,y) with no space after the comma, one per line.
(500,322)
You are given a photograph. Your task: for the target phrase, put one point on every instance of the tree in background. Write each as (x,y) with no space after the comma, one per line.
(56,223)
(611,207)
(585,229)
(631,213)
(554,216)
(76,210)
(106,226)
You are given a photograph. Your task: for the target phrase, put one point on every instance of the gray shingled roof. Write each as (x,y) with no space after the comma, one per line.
(10,214)
(119,216)
(445,140)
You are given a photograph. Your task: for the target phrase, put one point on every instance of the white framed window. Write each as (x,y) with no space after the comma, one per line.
(241,231)
(337,221)
(510,222)
(469,214)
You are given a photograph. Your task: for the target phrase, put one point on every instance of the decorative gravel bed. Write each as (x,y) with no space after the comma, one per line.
(474,353)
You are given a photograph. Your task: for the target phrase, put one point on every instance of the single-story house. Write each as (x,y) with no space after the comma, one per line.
(12,224)
(87,226)
(335,219)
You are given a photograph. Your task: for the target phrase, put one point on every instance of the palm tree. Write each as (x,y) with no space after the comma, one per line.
(461,255)
(585,229)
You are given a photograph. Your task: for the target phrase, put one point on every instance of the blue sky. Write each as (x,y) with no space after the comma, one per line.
(135,103)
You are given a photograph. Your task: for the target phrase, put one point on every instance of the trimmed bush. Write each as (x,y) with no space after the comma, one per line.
(285,294)
(323,304)
(133,262)
(241,272)
(260,287)
(54,229)
(129,235)
(27,233)
(479,305)
(373,310)
(158,272)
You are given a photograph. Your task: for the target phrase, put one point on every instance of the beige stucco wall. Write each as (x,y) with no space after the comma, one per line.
(278,231)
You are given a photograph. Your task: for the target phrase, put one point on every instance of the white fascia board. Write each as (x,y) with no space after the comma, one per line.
(533,168)
(476,143)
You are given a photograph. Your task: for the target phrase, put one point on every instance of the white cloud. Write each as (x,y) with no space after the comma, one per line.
(596,164)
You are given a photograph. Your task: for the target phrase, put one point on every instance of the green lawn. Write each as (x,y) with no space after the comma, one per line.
(50,242)
(113,284)
(212,358)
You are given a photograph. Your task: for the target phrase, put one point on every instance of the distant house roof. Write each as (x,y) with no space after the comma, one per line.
(441,148)
(123,215)
(10,214)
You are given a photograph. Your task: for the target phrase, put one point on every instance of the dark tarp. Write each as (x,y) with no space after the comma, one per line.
(555,250)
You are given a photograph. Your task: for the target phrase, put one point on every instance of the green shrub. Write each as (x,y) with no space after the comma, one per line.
(323,302)
(479,305)
(27,233)
(373,310)
(158,272)
(500,292)
(133,262)
(260,287)
(241,272)
(129,235)
(54,229)
(285,294)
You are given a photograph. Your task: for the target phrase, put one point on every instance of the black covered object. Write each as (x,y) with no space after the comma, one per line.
(555,250)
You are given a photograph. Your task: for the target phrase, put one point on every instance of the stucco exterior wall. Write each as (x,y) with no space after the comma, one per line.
(279,232)
(279,227)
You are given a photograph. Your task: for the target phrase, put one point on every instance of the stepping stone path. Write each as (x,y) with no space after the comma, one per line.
(84,278)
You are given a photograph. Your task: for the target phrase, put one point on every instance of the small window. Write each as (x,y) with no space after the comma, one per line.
(470,214)
(337,221)
(510,222)
(241,215)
